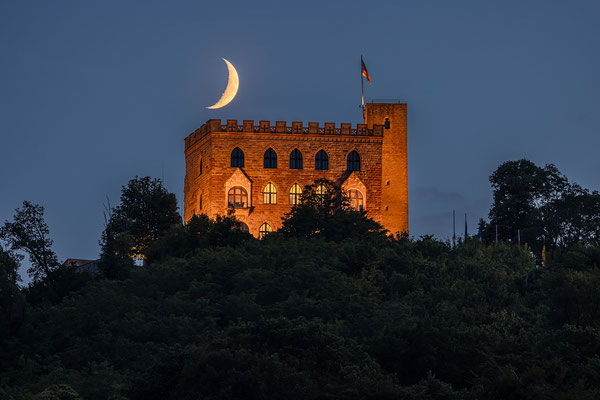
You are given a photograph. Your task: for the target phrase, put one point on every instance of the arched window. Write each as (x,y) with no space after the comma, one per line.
(200,167)
(321,160)
(320,191)
(353,161)
(296,159)
(264,230)
(244,227)
(270,194)
(270,158)
(237,197)
(295,193)
(237,158)
(356,199)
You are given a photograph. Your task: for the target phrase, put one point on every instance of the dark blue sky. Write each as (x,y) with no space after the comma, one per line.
(94,93)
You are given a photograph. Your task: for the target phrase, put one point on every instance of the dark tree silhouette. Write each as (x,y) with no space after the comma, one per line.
(29,233)
(543,205)
(324,211)
(146,212)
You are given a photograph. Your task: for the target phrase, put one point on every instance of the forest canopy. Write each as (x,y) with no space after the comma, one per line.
(313,313)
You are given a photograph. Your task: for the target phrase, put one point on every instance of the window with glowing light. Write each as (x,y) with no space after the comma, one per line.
(356,199)
(270,159)
(353,161)
(237,197)
(321,191)
(264,230)
(270,194)
(295,193)
(321,160)
(296,159)
(237,158)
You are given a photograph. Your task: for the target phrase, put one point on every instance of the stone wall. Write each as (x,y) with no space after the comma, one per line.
(214,142)
(394,173)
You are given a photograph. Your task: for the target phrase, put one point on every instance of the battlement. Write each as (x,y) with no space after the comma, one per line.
(313,128)
(260,167)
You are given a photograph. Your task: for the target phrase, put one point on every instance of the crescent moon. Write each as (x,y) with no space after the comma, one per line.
(232,87)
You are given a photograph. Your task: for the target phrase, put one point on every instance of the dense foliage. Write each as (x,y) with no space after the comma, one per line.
(313,314)
(541,204)
(29,232)
(146,211)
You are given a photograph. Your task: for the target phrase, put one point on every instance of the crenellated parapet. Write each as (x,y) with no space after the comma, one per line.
(281,127)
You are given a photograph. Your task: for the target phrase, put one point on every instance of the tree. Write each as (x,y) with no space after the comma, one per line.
(29,232)
(11,300)
(324,211)
(521,188)
(199,232)
(543,205)
(59,392)
(572,219)
(146,212)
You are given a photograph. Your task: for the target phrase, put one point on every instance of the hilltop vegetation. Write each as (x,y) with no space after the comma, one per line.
(328,307)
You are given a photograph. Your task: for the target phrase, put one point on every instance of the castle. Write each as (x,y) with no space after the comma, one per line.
(260,170)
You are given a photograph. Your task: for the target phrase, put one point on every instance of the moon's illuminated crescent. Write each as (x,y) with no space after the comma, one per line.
(232,87)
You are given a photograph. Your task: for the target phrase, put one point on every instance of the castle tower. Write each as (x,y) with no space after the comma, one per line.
(394,163)
(258,171)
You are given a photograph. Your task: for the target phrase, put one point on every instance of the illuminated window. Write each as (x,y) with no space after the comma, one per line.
(296,159)
(237,158)
(321,191)
(322,160)
(356,199)
(295,193)
(353,161)
(244,227)
(264,230)
(270,194)
(270,159)
(237,197)
(138,260)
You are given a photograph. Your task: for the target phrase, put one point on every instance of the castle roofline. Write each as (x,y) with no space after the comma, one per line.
(314,128)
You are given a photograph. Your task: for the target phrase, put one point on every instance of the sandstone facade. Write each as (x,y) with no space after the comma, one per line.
(382,179)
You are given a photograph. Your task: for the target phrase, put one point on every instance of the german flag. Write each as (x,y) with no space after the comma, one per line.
(364,72)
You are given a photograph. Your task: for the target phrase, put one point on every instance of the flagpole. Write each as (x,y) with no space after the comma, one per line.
(453,228)
(362,88)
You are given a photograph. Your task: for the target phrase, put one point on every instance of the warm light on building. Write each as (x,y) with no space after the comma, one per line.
(260,170)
